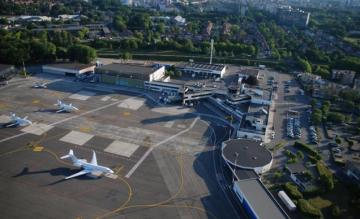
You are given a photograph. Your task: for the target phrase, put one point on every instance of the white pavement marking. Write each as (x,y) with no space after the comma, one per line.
(181,126)
(169,124)
(64,120)
(147,153)
(75,137)
(122,148)
(173,110)
(132,103)
(106,98)
(4,119)
(37,128)
(82,95)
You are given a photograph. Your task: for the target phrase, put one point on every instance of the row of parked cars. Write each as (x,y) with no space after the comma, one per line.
(293,127)
(313,135)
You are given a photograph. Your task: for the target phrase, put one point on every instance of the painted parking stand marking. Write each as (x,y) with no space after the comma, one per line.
(82,95)
(147,153)
(75,137)
(132,103)
(169,124)
(122,148)
(4,119)
(106,98)
(37,128)
(181,126)
(64,120)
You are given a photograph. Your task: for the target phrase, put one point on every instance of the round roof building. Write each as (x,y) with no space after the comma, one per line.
(247,154)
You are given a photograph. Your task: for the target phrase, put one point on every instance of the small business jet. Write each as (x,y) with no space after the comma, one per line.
(87,168)
(39,85)
(17,121)
(63,107)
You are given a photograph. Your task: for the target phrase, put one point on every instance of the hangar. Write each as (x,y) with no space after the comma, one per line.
(68,69)
(131,75)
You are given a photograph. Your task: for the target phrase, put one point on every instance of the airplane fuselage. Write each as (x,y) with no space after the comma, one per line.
(91,167)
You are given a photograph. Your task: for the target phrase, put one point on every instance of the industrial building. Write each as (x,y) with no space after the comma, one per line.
(202,70)
(246,154)
(68,69)
(130,75)
(256,200)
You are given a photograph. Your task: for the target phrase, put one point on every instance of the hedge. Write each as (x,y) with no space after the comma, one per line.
(326,175)
(306,208)
(292,190)
(307,149)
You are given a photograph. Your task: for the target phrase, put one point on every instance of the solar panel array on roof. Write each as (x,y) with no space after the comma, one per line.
(216,67)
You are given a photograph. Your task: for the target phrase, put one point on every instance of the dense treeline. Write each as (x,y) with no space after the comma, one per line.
(29,47)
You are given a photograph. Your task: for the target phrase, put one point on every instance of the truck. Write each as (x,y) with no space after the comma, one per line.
(287,201)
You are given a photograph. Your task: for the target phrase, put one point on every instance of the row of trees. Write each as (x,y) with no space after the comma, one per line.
(28,47)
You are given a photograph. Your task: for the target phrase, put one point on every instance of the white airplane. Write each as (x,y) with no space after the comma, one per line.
(15,121)
(91,167)
(39,85)
(63,107)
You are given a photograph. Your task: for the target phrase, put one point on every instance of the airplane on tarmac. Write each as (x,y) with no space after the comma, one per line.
(63,107)
(87,168)
(15,121)
(39,85)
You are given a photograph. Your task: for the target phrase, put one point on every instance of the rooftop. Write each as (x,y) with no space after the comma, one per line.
(242,174)
(215,67)
(260,199)
(246,153)
(128,68)
(76,66)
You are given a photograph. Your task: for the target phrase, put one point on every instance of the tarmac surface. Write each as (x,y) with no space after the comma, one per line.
(163,158)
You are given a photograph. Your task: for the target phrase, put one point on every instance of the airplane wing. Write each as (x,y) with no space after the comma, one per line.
(61,110)
(83,172)
(12,124)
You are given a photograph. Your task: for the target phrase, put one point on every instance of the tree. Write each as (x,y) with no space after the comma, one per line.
(119,23)
(313,103)
(304,65)
(188,45)
(126,56)
(81,53)
(335,117)
(161,28)
(42,51)
(316,117)
(83,32)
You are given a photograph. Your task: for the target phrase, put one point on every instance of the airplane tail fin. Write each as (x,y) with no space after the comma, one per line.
(58,103)
(70,155)
(13,116)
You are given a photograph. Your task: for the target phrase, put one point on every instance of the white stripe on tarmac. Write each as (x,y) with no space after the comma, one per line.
(147,153)
(64,120)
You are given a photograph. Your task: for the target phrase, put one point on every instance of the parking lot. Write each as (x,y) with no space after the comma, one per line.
(160,155)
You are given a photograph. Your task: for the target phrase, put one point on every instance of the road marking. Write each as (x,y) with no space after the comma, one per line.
(147,153)
(65,120)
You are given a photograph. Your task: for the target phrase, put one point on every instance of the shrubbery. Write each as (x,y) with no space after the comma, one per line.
(292,190)
(309,210)
(326,175)
(307,149)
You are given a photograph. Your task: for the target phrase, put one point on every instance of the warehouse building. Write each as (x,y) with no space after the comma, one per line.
(130,75)
(68,69)
(202,70)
